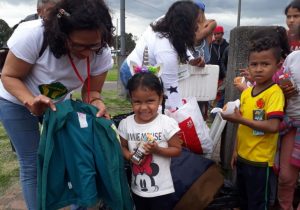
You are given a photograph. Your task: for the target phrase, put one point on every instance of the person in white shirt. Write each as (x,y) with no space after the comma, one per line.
(153,137)
(168,40)
(48,59)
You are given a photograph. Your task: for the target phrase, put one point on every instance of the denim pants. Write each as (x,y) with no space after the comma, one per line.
(23,130)
(125,73)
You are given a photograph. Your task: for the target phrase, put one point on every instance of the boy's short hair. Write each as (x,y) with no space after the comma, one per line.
(263,40)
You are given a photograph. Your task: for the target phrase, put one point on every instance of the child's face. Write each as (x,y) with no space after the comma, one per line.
(293,18)
(262,66)
(145,104)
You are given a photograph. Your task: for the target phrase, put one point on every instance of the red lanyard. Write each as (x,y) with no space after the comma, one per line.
(79,76)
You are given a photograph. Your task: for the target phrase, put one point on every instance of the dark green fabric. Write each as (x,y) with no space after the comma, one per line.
(89,158)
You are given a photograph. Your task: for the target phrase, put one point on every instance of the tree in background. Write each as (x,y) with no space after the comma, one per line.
(5,32)
(129,42)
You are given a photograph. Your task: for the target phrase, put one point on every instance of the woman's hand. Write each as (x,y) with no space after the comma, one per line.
(101,107)
(38,105)
(92,95)
(199,62)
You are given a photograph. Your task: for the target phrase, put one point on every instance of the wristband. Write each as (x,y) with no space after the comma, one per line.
(95,99)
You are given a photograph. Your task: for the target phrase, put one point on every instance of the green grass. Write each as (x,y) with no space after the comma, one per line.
(113,74)
(9,168)
(115,104)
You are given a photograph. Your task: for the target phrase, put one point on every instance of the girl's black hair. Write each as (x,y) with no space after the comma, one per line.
(79,15)
(274,38)
(294,4)
(149,81)
(145,80)
(284,41)
(179,26)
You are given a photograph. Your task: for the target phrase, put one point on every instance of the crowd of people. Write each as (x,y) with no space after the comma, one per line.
(65,46)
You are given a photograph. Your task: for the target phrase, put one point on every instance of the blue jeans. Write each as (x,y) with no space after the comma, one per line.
(125,73)
(23,130)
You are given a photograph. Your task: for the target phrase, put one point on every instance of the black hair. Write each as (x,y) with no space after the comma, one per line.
(145,80)
(294,4)
(283,40)
(79,15)
(179,25)
(274,38)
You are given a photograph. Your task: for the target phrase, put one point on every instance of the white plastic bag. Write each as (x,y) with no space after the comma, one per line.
(194,131)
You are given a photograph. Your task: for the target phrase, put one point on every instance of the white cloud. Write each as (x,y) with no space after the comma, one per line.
(12,14)
(139,13)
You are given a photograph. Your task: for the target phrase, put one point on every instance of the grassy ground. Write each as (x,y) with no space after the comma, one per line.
(9,168)
(113,74)
(114,103)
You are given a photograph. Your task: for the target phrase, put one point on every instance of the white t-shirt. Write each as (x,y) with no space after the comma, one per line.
(153,177)
(160,51)
(50,76)
(292,64)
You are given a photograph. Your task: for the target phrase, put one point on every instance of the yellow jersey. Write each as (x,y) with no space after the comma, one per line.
(254,145)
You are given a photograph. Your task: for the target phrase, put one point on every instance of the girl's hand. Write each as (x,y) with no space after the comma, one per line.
(233,160)
(240,86)
(101,107)
(128,155)
(235,117)
(151,148)
(38,105)
(245,73)
(288,90)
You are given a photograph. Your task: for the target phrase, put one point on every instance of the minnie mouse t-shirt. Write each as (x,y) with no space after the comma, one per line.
(152,177)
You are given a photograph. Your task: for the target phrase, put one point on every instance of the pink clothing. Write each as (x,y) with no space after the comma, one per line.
(275,77)
(288,174)
(294,42)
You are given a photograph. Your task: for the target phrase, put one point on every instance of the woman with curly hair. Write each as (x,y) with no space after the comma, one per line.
(47,60)
(168,40)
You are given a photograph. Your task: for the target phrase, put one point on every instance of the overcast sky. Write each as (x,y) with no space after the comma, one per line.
(139,13)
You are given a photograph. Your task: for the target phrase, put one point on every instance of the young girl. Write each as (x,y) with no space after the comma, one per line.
(292,12)
(155,137)
(290,142)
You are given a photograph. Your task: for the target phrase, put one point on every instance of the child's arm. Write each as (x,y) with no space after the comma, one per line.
(270,125)
(126,153)
(234,155)
(173,150)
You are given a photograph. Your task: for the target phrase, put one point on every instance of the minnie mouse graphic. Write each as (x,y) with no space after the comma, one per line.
(144,175)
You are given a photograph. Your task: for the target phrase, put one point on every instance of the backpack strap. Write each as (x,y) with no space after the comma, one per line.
(44,46)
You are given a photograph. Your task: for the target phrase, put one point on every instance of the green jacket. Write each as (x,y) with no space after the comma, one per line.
(80,160)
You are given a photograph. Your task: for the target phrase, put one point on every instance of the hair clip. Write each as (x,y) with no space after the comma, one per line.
(62,12)
(151,69)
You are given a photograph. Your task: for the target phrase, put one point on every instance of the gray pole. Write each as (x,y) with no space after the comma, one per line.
(117,36)
(122,23)
(122,56)
(239,13)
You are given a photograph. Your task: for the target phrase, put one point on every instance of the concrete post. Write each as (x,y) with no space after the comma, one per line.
(237,59)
